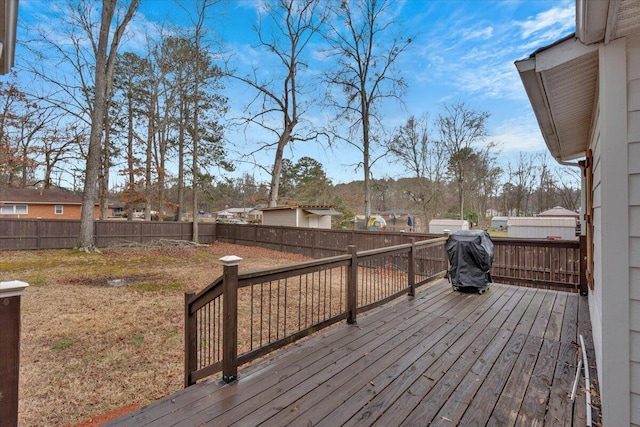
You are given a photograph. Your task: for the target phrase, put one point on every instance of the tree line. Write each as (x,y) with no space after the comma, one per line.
(108,109)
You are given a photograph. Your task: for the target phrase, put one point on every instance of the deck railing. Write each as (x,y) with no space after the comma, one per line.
(242,316)
(547,264)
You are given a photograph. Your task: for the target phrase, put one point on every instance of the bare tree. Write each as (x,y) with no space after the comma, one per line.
(58,148)
(83,86)
(105,52)
(21,121)
(426,158)
(521,178)
(545,194)
(365,43)
(460,129)
(568,187)
(278,106)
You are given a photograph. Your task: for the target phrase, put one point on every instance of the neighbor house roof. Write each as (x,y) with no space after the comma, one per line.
(561,80)
(559,211)
(312,209)
(56,196)
(322,212)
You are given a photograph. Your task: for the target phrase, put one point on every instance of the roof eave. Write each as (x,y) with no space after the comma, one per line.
(532,73)
(537,96)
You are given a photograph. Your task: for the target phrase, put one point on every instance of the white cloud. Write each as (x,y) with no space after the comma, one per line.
(559,17)
(519,134)
(478,34)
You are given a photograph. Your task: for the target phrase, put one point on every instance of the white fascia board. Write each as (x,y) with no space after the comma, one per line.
(562,53)
(527,64)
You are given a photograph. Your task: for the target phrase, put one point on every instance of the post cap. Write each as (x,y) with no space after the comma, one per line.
(230,260)
(13,288)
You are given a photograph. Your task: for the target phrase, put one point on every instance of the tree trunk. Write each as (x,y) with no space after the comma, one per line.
(277,168)
(181,160)
(104,176)
(86,238)
(150,134)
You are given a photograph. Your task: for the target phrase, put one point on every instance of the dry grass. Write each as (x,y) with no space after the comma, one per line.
(89,348)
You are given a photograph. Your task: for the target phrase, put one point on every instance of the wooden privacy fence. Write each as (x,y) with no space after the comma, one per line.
(547,264)
(22,234)
(242,316)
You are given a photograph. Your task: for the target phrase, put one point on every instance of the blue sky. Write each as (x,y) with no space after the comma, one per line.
(462,51)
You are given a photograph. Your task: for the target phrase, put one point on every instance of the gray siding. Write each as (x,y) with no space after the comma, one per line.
(633,118)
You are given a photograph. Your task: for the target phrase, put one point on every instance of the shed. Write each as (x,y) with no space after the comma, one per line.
(499,222)
(299,216)
(542,228)
(438,226)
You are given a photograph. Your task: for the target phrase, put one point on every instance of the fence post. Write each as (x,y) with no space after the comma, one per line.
(190,340)
(10,296)
(230,317)
(412,268)
(352,286)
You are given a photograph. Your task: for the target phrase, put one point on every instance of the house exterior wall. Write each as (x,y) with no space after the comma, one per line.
(286,217)
(615,316)
(324,222)
(48,211)
(437,226)
(301,218)
(633,156)
(542,228)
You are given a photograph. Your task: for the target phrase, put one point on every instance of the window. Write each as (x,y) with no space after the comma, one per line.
(59,210)
(14,210)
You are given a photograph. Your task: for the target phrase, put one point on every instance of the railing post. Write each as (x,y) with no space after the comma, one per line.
(352,287)
(446,259)
(584,286)
(10,296)
(190,340)
(412,268)
(230,318)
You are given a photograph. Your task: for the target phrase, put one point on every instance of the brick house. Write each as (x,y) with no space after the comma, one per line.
(52,203)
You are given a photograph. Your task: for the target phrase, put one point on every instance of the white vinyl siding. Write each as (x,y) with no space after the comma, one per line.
(633,156)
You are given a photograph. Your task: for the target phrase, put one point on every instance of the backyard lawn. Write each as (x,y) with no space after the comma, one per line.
(105,331)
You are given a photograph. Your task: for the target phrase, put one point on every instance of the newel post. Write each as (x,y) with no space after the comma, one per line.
(230,317)
(352,286)
(412,268)
(190,340)
(10,296)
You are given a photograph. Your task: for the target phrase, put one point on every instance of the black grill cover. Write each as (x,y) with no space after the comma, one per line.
(470,255)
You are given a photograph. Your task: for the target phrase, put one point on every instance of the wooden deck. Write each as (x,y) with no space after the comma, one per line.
(443,358)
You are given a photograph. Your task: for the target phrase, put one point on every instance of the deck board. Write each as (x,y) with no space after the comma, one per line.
(506,357)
